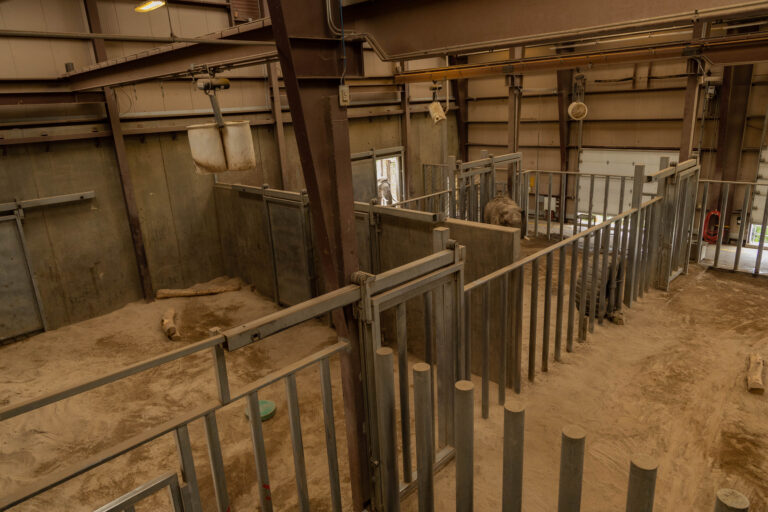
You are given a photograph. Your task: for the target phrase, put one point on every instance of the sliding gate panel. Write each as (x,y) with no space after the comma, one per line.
(19,313)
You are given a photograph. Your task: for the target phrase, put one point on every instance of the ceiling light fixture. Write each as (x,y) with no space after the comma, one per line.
(149,5)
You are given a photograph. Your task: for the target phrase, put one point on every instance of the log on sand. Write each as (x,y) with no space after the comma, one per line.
(218,285)
(755,383)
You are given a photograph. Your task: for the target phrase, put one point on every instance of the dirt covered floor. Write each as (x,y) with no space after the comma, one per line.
(37,444)
(669,383)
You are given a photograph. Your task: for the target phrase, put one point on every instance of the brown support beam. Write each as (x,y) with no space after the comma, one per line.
(113,113)
(411,163)
(48,98)
(277,113)
(514,102)
(734,100)
(461,86)
(312,63)
(691,105)
(564,87)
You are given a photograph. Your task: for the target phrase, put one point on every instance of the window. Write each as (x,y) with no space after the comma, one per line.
(754,235)
(389,180)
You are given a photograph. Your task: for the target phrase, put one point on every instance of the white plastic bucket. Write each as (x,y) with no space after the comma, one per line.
(228,149)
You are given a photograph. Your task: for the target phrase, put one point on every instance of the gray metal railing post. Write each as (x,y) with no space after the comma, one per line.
(330,435)
(547,313)
(702,220)
(591,200)
(536,205)
(572,295)
(637,195)
(561,263)
(486,384)
(761,241)
(596,250)
(571,469)
(464,421)
(642,484)
(452,185)
(425,442)
(217,462)
(721,227)
(729,500)
(297,444)
(504,338)
(583,290)
(563,203)
(260,453)
(532,323)
(519,293)
(404,388)
(512,476)
(385,405)
(190,492)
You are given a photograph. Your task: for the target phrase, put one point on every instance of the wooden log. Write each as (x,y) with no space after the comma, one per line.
(218,285)
(168,324)
(755,383)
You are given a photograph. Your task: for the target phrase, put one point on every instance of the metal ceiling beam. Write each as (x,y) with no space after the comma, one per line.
(90,36)
(404,29)
(48,98)
(728,49)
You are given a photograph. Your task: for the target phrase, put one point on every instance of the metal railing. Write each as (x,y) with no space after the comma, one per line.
(752,221)
(610,266)
(642,468)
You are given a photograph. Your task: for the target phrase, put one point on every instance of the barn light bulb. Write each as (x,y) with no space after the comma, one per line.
(149,5)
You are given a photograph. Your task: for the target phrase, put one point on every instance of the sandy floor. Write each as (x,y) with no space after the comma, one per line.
(669,383)
(57,436)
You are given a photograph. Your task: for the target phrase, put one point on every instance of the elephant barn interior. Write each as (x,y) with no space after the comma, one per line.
(361,255)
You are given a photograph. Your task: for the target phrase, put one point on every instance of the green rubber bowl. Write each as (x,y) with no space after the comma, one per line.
(267,408)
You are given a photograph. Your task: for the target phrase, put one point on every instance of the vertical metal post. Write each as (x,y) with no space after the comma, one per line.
(571,469)
(721,228)
(536,205)
(591,200)
(464,425)
(745,221)
(560,297)
(563,203)
(425,443)
(622,189)
(576,226)
(549,206)
(222,381)
(572,294)
(297,443)
(404,387)
(217,462)
(637,196)
(190,493)
(504,338)
(593,298)
(583,312)
(614,274)
(330,435)
(547,314)
(761,241)
(533,320)
(485,394)
(642,484)
(605,237)
(385,404)
(702,219)
(607,181)
(260,453)
(730,500)
(519,293)
(644,250)
(624,262)
(467,336)
(512,476)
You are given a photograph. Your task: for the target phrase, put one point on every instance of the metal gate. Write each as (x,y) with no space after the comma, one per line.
(20,310)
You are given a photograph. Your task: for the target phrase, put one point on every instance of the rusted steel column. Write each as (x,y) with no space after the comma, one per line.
(113,113)
(313,61)
(460,87)
(277,113)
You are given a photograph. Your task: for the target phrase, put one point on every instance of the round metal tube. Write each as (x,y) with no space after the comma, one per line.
(86,36)
(571,469)
(512,479)
(464,415)
(425,442)
(642,484)
(729,500)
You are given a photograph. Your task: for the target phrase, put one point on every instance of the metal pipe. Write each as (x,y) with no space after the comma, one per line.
(297,444)
(730,500)
(464,431)
(607,181)
(549,206)
(330,435)
(642,484)
(577,182)
(745,218)
(519,292)
(591,199)
(467,335)
(761,241)
(721,227)
(217,462)
(485,394)
(503,337)
(572,294)
(571,469)
(602,306)
(596,250)
(385,405)
(404,388)
(259,451)
(560,297)
(583,289)
(533,320)
(536,205)
(563,204)
(425,441)
(547,314)
(88,36)
(190,492)
(512,476)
